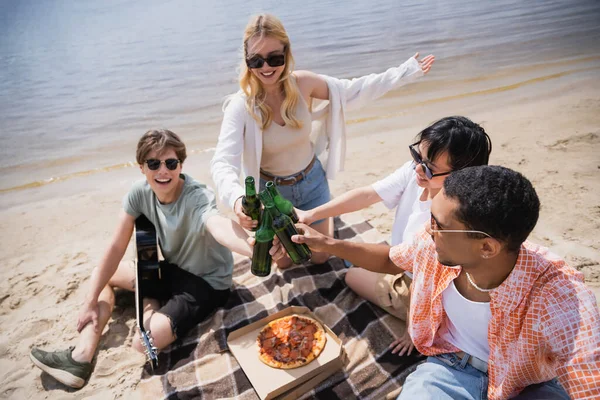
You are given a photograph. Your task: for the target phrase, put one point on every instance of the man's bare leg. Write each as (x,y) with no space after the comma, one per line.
(159,326)
(72,366)
(89,337)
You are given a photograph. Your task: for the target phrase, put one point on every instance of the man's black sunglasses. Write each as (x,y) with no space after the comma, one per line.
(154,164)
(274,60)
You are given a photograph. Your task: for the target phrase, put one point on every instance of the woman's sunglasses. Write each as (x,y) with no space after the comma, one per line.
(274,60)
(154,164)
(418,160)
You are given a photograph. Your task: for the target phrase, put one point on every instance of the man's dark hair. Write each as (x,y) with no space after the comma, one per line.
(466,142)
(496,200)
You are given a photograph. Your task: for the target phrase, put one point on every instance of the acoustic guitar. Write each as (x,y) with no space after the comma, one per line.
(147,268)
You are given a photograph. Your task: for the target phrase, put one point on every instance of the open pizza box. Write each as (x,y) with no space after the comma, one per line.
(284,384)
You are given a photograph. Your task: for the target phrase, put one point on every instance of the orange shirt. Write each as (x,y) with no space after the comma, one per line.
(545,323)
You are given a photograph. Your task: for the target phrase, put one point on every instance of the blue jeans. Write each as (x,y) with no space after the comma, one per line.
(310,192)
(448,377)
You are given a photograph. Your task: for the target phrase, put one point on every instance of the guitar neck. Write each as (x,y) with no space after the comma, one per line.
(147,268)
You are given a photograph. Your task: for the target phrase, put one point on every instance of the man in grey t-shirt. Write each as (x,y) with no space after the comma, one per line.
(195,241)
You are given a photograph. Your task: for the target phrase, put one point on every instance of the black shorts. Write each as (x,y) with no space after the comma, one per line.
(186,299)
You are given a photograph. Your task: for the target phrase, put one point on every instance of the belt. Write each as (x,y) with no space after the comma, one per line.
(290,179)
(475,362)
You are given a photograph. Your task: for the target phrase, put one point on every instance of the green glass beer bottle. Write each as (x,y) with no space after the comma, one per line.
(261,259)
(284,229)
(250,202)
(283,205)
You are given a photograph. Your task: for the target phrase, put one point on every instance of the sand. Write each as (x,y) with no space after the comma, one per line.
(544,122)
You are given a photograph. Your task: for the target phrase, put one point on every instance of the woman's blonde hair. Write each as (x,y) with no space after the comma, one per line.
(266,25)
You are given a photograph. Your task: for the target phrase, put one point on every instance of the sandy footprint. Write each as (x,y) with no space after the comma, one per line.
(15,378)
(64,294)
(111,366)
(590,138)
(8,368)
(32,329)
(3,297)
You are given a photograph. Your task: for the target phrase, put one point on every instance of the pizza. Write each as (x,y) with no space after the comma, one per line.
(291,342)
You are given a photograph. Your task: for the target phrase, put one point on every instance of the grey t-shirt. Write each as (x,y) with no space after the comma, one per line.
(180,227)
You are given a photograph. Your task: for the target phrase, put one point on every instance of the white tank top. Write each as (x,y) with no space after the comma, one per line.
(467,323)
(286,150)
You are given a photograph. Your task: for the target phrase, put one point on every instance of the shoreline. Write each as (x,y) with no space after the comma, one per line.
(424,92)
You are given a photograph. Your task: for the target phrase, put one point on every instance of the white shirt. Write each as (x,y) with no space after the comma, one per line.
(239,148)
(467,323)
(400,189)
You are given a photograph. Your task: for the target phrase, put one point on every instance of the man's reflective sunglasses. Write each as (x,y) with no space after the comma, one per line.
(274,60)
(418,160)
(170,163)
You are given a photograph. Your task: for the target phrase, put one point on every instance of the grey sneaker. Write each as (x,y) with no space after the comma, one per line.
(61,366)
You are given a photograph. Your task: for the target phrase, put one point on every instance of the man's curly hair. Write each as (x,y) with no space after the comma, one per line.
(496,200)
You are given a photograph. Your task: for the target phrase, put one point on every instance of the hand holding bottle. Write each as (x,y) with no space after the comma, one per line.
(250,204)
(316,241)
(305,217)
(284,229)
(245,221)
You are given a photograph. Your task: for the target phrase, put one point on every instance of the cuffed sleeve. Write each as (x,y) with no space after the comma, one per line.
(359,92)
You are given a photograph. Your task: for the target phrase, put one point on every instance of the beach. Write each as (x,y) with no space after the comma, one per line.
(543,121)
(80,82)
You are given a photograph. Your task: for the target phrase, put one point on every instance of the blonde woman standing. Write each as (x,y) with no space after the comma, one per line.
(266,129)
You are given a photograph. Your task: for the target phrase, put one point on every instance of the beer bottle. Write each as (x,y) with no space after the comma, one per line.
(283,205)
(261,259)
(284,229)
(250,202)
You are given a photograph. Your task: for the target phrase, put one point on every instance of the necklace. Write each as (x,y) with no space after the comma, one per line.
(477,287)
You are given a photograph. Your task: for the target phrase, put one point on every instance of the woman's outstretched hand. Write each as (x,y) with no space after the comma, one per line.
(425,63)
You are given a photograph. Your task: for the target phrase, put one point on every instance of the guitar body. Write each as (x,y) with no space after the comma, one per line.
(147,268)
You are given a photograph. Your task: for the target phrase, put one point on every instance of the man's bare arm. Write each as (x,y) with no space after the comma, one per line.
(370,256)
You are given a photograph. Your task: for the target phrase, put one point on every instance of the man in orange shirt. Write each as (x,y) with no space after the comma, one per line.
(499,317)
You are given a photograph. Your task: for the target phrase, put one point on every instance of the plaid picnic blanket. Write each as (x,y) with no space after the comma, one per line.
(199,366)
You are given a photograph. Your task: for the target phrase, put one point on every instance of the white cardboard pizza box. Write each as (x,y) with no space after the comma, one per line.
(269,382)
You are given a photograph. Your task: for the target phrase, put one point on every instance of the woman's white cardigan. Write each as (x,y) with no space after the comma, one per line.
(239,148)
